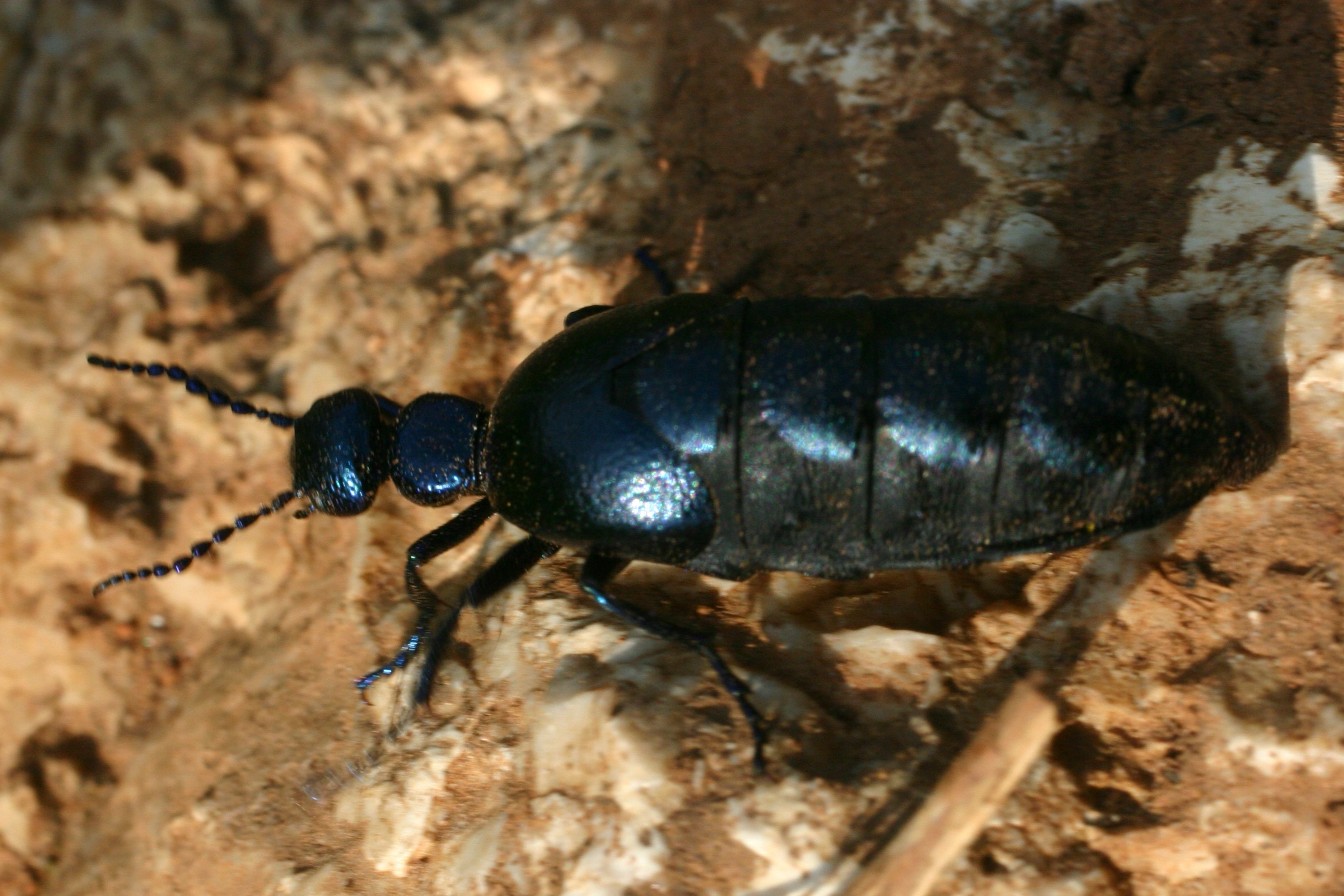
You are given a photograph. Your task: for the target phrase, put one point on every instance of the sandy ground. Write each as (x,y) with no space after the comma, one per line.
(290,198)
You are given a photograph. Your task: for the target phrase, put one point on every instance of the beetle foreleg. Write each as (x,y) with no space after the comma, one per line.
(598,571)
(666,285)
(507,569)
(425,549)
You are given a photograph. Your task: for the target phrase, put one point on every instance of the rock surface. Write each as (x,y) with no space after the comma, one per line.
(290,198)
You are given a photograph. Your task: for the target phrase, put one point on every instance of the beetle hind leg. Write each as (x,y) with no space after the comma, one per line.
(597,573)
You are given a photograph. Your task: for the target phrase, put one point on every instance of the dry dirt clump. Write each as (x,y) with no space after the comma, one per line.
(293,197)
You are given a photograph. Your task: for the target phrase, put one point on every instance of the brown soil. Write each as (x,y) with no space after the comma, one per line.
(410,197)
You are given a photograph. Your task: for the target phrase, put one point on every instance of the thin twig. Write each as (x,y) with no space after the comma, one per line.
(966,798)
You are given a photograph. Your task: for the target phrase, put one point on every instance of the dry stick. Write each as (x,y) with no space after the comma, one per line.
(980,779)
(966,798)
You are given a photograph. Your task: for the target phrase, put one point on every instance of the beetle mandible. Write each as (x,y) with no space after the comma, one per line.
(832,437)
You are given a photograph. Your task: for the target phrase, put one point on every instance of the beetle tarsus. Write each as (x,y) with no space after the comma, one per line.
(403,654)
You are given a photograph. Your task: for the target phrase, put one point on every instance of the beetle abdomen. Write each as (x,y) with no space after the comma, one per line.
(1005,428)
(839,436)
(920,432)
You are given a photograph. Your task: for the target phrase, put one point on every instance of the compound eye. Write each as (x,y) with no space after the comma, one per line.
(341,452)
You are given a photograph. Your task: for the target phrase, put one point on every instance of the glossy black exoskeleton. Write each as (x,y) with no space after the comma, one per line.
(833,437)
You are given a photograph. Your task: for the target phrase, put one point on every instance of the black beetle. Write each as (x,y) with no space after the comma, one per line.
(833,437)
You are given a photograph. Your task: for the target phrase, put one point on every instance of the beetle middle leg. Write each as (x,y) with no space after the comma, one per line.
(597,573)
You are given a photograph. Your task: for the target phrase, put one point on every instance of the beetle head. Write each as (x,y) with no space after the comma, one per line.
(341,452)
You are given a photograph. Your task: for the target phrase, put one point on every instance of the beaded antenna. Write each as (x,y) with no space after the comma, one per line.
(218,399)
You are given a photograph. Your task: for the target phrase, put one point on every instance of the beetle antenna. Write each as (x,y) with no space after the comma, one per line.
(216,397)
(201,548)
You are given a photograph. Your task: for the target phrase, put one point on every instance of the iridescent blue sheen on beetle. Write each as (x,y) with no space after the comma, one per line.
(833,437)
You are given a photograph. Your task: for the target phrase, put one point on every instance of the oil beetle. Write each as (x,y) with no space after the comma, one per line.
(833,437)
